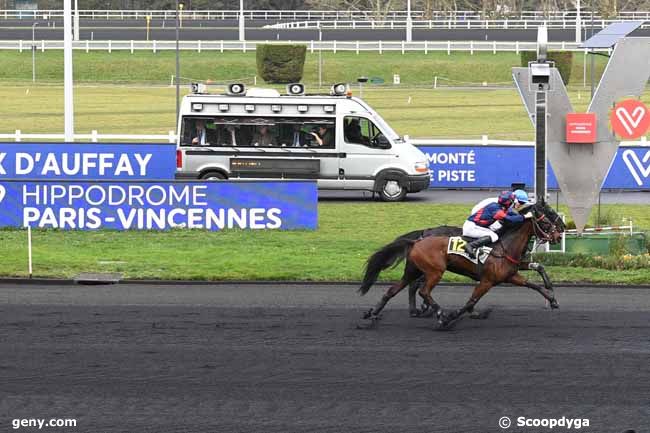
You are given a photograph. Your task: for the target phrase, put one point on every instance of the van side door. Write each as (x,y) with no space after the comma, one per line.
(366,151)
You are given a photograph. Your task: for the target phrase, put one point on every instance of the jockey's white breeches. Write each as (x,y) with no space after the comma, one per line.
(472,230)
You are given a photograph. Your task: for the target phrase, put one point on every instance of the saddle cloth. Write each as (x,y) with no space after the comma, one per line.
(457,246)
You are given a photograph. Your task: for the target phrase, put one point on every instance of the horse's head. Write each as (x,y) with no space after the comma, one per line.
(547,224)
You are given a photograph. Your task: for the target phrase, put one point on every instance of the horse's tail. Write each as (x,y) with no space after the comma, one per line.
(387,256)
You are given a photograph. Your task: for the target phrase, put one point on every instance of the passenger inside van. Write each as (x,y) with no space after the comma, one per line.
(263,136)
(324,136)
(202,135)
(352,131)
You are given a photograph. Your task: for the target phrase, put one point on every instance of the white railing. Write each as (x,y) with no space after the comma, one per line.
(312,46)
(485,141)
(301,15)
(448,24)
(93,137)
(170,137)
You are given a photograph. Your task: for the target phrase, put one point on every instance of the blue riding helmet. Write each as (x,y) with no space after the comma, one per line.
(506,198)
(521,196)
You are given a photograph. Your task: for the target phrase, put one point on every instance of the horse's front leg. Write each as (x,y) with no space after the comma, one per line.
(519,280)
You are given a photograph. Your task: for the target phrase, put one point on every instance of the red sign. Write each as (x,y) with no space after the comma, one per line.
(630,119)
(581,128)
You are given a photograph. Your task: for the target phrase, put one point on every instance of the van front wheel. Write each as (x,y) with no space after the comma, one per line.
(392,190)
(213,175)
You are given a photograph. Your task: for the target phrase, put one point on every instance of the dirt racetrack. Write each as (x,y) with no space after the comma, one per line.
(289,358)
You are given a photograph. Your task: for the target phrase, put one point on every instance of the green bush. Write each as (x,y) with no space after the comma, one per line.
(563,61)
(281,64)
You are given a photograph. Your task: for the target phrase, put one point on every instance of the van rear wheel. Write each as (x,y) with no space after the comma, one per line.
(213,175)
(392,190)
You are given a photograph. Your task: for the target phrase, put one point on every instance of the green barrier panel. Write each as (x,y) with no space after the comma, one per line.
(603,243)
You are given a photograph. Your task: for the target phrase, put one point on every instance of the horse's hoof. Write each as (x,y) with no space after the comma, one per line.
(481,315)
(554,305)
(367,314)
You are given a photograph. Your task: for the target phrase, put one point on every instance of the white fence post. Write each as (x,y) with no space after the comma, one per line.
(172,137)
(131,46)
(29,251)
(494,47)
(198,48)
(471,48)
(87,46)
(449,48)
(93,136)
(380,47)
(110,46)
(154,46)
(20,46)
(17,138)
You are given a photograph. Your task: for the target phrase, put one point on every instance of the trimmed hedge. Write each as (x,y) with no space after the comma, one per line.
(281,64)
(563,61)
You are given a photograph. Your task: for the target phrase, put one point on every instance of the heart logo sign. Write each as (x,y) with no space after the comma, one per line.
(640,169)
(630,119)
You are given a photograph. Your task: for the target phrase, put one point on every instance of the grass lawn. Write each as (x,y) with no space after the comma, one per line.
(130,93)
(347,235)
(132,109)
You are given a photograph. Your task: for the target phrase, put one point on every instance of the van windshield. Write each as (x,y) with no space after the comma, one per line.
(251,131)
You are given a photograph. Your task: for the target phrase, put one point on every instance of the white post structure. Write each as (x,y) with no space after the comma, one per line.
(76,20)
(242,35)
(29,250)
(68,105)
(578,23)
(409,22)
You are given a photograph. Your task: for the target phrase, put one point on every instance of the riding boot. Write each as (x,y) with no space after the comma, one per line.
(470,248)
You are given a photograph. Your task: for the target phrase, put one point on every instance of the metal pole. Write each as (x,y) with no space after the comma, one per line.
(68,100)
(320,57)
(76,20)
(593,63)
(178,63)
(578,23)
(409,22)
(34,52)
(29,251)
(242,36)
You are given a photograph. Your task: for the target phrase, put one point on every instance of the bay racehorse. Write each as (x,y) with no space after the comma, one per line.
(524,265)
(428,257)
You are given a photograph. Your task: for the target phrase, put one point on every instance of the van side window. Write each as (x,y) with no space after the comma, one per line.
(258,131)
(360,130)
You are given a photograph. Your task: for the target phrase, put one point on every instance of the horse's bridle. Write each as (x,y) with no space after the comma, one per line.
(542,235)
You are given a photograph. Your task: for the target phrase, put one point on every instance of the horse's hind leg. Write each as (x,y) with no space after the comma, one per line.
(431,280)
(410,274)
(444,320)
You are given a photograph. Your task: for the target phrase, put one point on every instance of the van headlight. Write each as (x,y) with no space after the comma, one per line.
(421,167)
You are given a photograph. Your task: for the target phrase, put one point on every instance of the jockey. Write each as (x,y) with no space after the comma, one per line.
(521,199)
(483,223)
